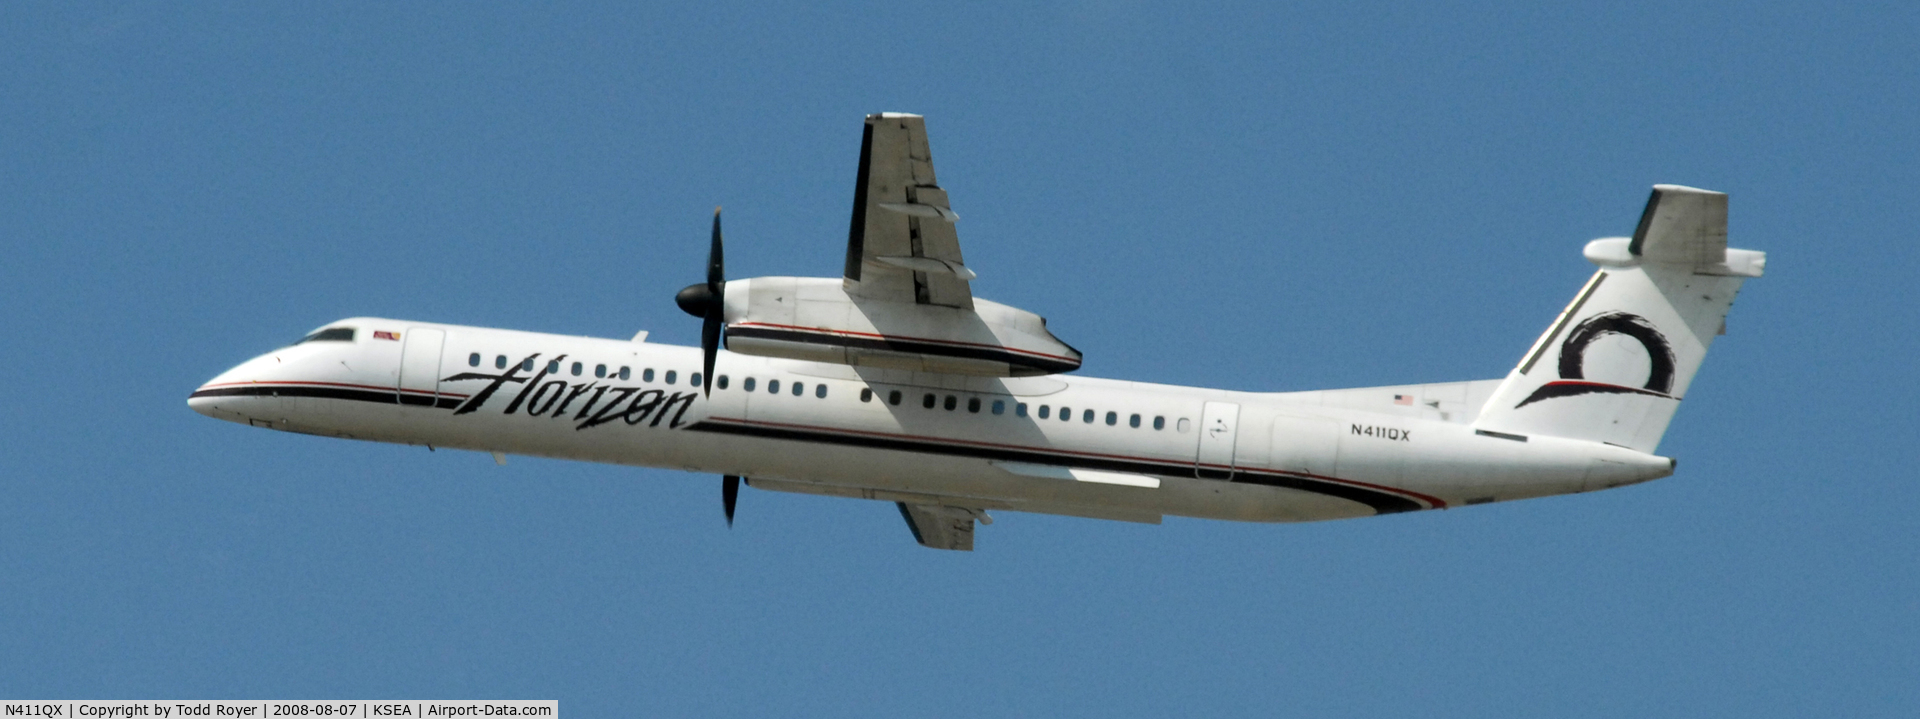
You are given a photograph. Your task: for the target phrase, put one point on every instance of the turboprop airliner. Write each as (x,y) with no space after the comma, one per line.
(895,383)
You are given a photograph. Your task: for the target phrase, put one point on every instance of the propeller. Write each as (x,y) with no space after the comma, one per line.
(729,494)
(708,302)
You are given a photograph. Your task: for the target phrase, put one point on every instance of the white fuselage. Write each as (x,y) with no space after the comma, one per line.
(1123,450)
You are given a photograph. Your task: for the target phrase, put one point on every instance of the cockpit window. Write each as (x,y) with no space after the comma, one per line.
(330,334)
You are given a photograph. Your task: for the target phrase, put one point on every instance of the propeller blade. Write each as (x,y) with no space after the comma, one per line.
(729,494)
(709,348)
(716,263)
(715,315)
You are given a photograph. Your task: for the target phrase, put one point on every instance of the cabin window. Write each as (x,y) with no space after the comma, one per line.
(1113,418)
(553,367)
(599,370)
(1066,414)
(748,386)
(928,400)
(1087,416)
(1043,411)
(866,394)
(526,365)
(694,380)
(773,386)
(330,334)
(952,402)
(500,362)
(1183,425)
(999,407)
(646,375)
(671,376)
(820,391)
(1159,423)
(473,360)
(893,397)
(799,388)
(626,373)
(1134,421)
(1020,410)
(721,383)
(577,367)
(973,405)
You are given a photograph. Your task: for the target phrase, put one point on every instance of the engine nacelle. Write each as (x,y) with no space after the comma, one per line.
(813,318)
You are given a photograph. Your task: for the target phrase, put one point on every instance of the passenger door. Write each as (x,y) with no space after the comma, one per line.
(1219,425)
(420,366)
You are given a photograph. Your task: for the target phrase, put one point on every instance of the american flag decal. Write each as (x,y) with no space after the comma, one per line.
(385,335)
(1405,399)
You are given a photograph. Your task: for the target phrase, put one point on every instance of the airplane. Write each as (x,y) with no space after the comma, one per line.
(895,383)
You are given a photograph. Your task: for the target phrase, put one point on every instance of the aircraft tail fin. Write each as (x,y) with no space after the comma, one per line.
(1614,365)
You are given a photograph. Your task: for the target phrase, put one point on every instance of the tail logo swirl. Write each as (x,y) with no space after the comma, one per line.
(1573,354)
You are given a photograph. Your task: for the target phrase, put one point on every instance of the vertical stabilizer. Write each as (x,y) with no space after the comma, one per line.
(1615,364)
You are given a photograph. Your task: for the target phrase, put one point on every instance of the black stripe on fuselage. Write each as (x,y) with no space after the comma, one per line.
(346,393)
(895,344)
(1381,502)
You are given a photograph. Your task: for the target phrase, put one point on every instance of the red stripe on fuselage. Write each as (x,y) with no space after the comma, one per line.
(374,388)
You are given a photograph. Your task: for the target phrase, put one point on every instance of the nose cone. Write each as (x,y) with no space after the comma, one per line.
(694,299)
(233,395)
(203,405)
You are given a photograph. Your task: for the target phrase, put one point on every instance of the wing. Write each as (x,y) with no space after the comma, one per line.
(939,526)
(901,246)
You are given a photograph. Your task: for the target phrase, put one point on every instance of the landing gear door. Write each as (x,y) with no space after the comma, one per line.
(1219,425)
(420,366)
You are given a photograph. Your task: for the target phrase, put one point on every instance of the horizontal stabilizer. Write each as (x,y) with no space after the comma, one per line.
(1682,225)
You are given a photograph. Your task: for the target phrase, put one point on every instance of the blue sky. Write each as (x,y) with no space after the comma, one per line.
(1259,196)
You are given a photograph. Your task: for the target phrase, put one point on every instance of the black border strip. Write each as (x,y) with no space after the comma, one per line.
(1381,502)
(1639,240)
(911,525)
(857,230)
(1015,359)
